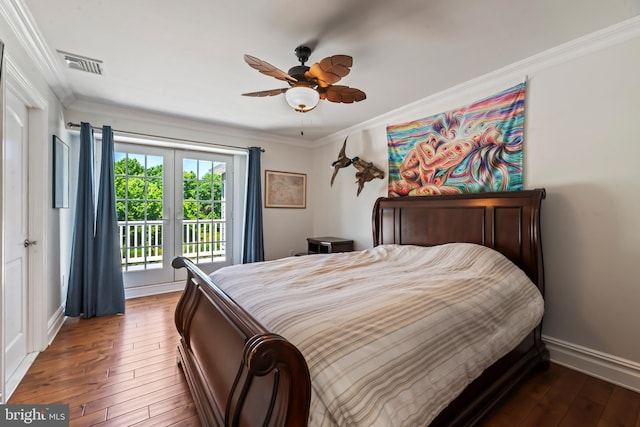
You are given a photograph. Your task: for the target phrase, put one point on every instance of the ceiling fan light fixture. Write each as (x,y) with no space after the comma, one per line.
(302,98)
(309,84)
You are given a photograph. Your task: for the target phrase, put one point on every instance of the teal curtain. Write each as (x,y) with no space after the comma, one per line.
(95,276)
(80,299)
(109,284)
(253,248)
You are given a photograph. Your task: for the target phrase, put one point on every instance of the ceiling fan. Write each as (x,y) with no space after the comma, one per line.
(310,84)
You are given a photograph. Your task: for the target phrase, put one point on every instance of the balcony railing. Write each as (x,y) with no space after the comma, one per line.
(141,242)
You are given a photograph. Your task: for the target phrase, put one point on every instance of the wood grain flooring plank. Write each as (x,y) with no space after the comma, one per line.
(126,419)
(139,357)
(544,415)
(145,400)
(174,402)
(164,356)
(190,422)
(597,390)
(513,410)
(169,364)
(129,394)
(583,412)
(622,409)
(88,420)
(169,418)
(117,392)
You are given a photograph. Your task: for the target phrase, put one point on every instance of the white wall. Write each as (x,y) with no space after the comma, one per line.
(584,124)
(582,145)
(338,210)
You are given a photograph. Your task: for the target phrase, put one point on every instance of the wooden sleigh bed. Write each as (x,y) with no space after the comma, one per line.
(241,374)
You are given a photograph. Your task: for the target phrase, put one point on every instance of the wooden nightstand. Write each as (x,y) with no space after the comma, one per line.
(328,245)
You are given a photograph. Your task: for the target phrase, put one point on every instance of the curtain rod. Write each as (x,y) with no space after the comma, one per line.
(71,124)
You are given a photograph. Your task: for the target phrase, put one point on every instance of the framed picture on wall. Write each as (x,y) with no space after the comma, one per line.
(285,190)
(60,173)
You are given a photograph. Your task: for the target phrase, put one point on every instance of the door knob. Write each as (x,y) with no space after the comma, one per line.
(28,243)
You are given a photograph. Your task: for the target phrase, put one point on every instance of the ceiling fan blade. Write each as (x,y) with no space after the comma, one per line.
(330,70)
(270,92)
(343,94)
(266,68)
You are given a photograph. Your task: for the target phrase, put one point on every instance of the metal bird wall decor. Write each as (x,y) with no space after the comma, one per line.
(342,162)
(367,171)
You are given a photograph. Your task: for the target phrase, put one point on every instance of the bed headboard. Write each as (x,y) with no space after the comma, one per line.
(508,222)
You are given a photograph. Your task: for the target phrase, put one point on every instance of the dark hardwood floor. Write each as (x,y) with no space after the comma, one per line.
(115,370)
(566,398)
(121,371)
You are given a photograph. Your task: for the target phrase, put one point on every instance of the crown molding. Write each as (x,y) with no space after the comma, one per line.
(170,126)
(22,87)
(23,25)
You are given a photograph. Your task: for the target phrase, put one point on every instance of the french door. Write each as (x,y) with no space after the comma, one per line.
(171,202)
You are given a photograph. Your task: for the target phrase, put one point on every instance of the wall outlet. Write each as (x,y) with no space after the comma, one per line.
(292,252)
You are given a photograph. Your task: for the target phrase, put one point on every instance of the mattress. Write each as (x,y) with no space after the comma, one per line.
(391,334)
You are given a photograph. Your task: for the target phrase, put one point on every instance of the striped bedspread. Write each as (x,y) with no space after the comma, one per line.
(394,333)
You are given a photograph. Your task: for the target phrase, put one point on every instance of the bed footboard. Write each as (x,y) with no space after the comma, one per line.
(239,373)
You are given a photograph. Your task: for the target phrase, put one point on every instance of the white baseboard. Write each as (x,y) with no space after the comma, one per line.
(147,290)
(54,324)
(616,370)
(14,380)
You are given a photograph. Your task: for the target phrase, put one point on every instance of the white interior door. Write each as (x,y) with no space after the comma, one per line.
(16,235)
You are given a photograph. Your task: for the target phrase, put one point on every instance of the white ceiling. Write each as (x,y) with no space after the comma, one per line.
(185,58)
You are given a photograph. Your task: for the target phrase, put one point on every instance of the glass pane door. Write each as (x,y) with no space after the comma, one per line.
(204,223)
(143,199)
(171,202)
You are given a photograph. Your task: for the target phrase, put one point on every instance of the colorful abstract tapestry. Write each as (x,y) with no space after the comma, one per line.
(476,148)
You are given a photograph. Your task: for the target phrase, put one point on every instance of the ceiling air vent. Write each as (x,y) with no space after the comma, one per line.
(82,63)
